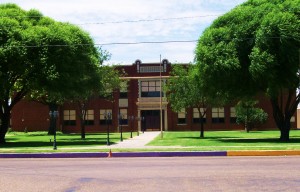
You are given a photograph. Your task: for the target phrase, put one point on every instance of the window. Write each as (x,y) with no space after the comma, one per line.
(123,103)
(103,117)
(181,117)
(123,90)
(196,115)
(292,119)
(89,117)
(151,88)
(123,119)
(69,117)
(218,115)
(151,69)
(232,115)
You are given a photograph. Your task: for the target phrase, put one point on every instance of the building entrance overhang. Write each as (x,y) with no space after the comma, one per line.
(151,103)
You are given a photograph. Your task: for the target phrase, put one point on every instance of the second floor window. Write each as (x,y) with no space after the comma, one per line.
(151,88)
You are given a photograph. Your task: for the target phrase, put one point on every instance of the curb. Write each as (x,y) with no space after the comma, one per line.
(150,154)
(110,154)
(263,153)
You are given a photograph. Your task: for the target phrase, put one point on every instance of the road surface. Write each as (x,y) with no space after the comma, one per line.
(151,174)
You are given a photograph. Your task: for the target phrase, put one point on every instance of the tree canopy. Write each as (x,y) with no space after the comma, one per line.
(184,90)
(43,59)
(255,48)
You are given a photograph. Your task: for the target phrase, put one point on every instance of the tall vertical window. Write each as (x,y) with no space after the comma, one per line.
(123,90)
(89,117)
(69,117)
(123,118)
(218,115)
(181,117)
(232,115)
(196,115)
(103,116)
(151,88)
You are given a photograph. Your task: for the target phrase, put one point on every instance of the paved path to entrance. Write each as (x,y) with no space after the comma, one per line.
(137,141)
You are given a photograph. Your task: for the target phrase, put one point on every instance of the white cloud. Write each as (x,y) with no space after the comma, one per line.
(95,11)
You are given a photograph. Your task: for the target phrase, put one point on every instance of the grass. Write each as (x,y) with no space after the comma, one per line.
(229,140)
(42,142)
(33,142)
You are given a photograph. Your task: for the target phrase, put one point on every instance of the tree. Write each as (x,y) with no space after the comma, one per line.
(17,70)
(109,80)
(42,59)
(255,48)
(184,90)
(249,115)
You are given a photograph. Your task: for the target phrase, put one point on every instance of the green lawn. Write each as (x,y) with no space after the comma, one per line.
(229,140)
(173,141)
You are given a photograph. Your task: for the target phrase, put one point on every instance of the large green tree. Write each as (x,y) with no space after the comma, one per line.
(255,48)
(43,59)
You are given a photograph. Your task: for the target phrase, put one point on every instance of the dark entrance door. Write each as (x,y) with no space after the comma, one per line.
(151,120)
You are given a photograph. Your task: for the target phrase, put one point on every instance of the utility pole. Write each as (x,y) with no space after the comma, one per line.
(161,120)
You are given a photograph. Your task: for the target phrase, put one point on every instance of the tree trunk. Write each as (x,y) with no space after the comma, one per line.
(202,128)
(4,126)
(82,128)
(284,135)
(201,119)
(247,122)
(82,117)
(285,130)
(282,118)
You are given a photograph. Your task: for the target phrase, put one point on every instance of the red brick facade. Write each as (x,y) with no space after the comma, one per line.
(139,105)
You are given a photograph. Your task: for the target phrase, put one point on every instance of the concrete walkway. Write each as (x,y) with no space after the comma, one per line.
(137,141)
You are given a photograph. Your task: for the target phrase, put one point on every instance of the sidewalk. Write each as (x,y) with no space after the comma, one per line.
(137,141)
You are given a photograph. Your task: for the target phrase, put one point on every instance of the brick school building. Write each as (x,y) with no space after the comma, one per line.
(140,106)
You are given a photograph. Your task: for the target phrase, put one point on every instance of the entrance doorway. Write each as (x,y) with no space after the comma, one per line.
(151,120)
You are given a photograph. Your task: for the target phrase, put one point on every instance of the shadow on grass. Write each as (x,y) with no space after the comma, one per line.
(260,140)
(49,144)
(224,139)
(198,137)
(61,140)
(44,140)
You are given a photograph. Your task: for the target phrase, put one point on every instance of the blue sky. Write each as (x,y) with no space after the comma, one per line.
(106,23)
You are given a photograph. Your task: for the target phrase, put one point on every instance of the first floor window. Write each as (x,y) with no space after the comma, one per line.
(232,115)
(181,117)
(69,117)
(196,115)
(218,115)
(89,117)
(123,119)
(104,116)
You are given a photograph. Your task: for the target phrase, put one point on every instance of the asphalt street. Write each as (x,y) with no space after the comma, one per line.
(278,173)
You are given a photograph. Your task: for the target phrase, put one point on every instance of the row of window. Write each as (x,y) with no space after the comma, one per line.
(151,88)
(218,115)
(69,117)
